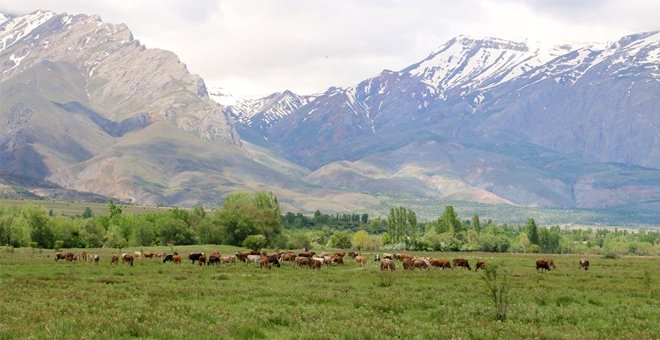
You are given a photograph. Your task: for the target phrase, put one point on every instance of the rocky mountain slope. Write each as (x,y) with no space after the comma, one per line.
(490,120)
(85,108)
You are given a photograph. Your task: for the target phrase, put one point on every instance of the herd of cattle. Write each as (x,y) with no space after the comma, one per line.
(301,259)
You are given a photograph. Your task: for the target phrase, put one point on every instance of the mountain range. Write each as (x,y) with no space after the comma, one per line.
(87,111)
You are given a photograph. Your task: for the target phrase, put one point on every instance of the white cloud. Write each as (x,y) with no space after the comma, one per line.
(254,47)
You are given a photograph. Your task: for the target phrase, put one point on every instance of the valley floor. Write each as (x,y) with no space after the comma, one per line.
(41,298)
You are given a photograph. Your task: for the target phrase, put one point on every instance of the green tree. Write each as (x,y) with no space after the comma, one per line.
(532,231)
(402,226)
(341,240)
(40,231)
(244,214)
(115,238)
(449,222)
(475,223)
(360,239)
(114,210)
(255,242)
(87,213)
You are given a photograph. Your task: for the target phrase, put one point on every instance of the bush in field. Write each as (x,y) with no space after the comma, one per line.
(341,240)
(255,242)
(498,285)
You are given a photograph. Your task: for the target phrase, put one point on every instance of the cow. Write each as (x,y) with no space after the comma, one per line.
(302,261)
(361,260)
(387,264)
(214,259)
(421,263)
(584,264)
(314,264)
(114,260)
(263,262)
(463,263)
(388,256)
(168,258)
(352,254)
(228,259)
(253,258)
(273,259)
(288,257)
(544,264)
(339,254)
(202,260)
(96,259)
(128,258)
(137,254)
(408,264)
(306,254)
(148,254)
(376,258)
(440,263)
(195,256)
(242,256)
(177,259)
(480,265)
(337,259)
(401,257)
(61,255)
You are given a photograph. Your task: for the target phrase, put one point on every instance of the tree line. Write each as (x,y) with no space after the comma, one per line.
(255,220)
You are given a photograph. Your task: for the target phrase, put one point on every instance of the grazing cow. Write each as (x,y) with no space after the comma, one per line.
(404,256)
(288,256)
(62,255)
(352,254)
(376,258)
(161,254)
(177,259)
(339,254)
(137,254)
(388,256)
(273,259)
(307,254)
(337,259)
(584,263)
(387,264)
(263,262)
(128,258)
(254,258)
(96,259)
(148,254)
(228,259)
(408,264)
(168,258)
(114,260)
(242,256)
(195,256)
(441,263)
(480,265)
(544,264)
(214,259)
(421,263)
(314,264)
(302,261)
(361,260)
(202,260)
(216,253)
(461,263)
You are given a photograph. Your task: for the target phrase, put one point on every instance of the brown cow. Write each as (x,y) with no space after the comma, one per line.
(361,260)
(62,255)
(584,263)
(202,260)
(195,256)
(480,265)
(461,263)
(303,261)
(387,264)
(114,260)
(214,259)
(263,262)
(314,264)
(177,259)
(148,254)
(337,259)
(352,254)
(408,264)
(545,264)
(306,254)
(421,263)
(288,257)
(339,254)
(128,258)
(440,263)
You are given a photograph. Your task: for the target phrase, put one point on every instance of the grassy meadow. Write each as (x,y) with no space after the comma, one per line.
(41,298)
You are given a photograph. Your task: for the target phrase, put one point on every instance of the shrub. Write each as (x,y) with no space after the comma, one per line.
(498,284)
(255,242)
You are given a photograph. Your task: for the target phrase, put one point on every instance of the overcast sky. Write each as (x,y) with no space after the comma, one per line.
(256,47)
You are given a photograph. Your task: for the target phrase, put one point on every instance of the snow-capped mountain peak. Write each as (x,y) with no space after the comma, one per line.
(269,109)
(471,64)
(4,17)
(14,29)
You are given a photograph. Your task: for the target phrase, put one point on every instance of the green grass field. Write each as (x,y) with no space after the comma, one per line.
(39,298)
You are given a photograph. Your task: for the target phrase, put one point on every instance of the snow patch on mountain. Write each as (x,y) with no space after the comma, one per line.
(15,29)
(268,110)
